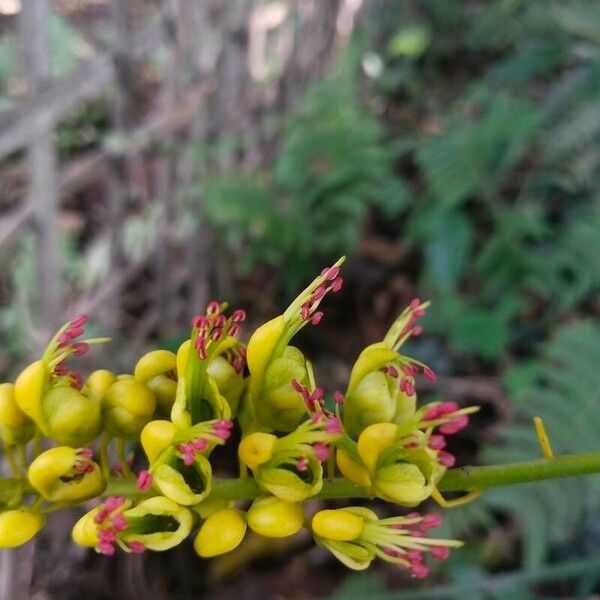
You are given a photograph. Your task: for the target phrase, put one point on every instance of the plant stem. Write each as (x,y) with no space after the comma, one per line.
(462,479)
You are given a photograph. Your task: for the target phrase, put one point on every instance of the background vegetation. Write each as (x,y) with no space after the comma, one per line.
(452,150)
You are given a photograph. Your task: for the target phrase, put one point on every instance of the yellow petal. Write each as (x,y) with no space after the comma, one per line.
(154,363)
(373,440)
(256,449)
(29,389)
(351,470)
(340,525)
(221,532)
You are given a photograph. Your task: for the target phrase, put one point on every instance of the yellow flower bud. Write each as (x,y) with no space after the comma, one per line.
(29,389)
(221,532)
(73,419)
(15,426)
(340,525)
(98,382)
(85,531)
(256,449)
(373,440)
(17,527)
(154,363)
(182,356)
(127,406)
(155,437)
(275,518)
(64,474)
(351,470)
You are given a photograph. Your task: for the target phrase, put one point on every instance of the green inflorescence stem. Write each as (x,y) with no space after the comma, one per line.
(461,479)
(455,480)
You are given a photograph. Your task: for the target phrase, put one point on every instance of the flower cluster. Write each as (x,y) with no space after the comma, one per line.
(181,407)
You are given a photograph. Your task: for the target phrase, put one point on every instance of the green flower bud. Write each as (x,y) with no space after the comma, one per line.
(15,425)
(157,523)
(127,406)
(64,474)
(17,527)
(72,418)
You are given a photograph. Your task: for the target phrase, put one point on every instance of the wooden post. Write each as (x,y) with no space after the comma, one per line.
(42,164)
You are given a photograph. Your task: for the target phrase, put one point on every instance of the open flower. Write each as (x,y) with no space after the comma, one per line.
(64,474)
(49,393)
(274,364)
(403,463)
(382,385)
(156,524)
(178,464)
(289,467)
(356,535)
(202,385)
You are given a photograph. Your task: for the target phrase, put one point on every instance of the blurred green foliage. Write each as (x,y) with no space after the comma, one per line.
(333,166)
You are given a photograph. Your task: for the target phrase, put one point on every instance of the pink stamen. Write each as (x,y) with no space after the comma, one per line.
(80,348)
(418,330)
(321,451)
(305,311)
(302,464)
(439,552)
(188,459)
(419,571)
(79,321)
(336,286)
(200,444)
(431,414)
(446,408)
(431,520)
(213,308)
(316,319)
(437,442)
(87,452)
(106,548)
(455,425)
(216,334)
(119,523)
(136,547)
(220,321)
(392,371)
(101,516)
(332,273)
(144,480)
(64,339)
(77,380)
(61,370)
(415,555)
(333,426)
(339,398)
(298,387)
(107,535)
(415,302)
(113,502)
(234,330)
(316,418)
(319,293)
(429,374)
(76,332)
(223,424)
(238,315)
(446,459)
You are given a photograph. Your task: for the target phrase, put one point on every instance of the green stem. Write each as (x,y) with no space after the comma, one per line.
(462,479)
(104,459)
